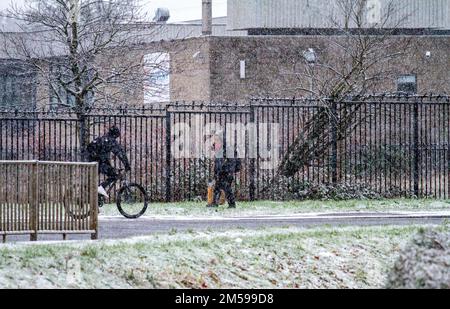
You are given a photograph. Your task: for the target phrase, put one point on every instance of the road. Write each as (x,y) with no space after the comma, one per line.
(119,228)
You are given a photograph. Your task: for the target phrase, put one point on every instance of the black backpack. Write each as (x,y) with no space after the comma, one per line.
(234,165)
(94,148)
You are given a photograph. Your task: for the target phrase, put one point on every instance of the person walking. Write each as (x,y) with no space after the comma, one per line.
(224,173)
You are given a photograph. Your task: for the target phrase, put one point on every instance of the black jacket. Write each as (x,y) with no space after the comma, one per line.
(226,168)
(101,148)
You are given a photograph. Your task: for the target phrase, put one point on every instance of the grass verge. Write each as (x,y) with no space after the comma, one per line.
(287,208)
(266,258)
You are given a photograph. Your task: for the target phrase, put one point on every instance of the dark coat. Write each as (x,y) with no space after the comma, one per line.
(101,148)
(224,169)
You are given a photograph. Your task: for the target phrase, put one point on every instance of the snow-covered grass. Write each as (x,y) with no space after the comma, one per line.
(266,258)
(287,208)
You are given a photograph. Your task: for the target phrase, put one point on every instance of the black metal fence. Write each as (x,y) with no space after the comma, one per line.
(391,145)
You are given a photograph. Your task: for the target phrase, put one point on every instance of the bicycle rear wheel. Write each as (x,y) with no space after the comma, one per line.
(132,201)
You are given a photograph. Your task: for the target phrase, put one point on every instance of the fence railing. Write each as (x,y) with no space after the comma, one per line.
(391,145)
(48,198)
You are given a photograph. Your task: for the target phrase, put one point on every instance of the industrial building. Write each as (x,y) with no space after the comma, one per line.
(256,50)
(299,16)
(266,60)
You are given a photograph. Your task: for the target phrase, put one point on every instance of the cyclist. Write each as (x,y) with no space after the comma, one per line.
(100,151)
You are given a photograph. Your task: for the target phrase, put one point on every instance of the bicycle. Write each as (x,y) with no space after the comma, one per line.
(131,200)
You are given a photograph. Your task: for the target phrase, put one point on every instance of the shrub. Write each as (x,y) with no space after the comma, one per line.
(424,263)
(291,189)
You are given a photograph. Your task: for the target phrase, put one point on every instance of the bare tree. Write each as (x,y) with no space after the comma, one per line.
(87,51)
(363,52)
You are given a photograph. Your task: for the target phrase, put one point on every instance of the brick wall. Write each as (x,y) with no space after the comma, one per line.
(207,69)
(272,65)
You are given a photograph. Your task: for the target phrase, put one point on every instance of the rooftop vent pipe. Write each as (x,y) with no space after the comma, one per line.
(162,15)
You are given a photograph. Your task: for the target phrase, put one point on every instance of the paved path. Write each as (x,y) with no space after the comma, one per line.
(117,227)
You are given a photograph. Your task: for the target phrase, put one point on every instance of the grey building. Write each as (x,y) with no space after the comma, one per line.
(274,16)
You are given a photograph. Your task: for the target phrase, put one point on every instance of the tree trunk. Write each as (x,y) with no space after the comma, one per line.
(83,130)
(318,137)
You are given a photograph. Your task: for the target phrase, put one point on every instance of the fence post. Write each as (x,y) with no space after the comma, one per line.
(94,201)
(448,161)
(34,203)
(416,172)
(334,142)
(168,157)
(252,171)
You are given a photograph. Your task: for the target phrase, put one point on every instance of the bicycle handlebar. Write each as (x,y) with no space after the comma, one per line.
(122,173)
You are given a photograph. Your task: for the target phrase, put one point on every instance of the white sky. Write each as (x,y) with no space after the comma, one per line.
(180,10)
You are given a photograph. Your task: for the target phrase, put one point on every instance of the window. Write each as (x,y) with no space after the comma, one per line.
(407,84)
(157,82)
(17,84)
(57,94)
(373,12)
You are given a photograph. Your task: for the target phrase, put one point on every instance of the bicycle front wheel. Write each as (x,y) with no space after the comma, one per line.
(75,208)
(132,201)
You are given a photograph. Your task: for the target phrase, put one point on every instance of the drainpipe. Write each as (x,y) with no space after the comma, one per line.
(206,17)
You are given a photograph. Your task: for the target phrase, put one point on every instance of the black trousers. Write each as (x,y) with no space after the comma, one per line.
(224,185)
(105,168)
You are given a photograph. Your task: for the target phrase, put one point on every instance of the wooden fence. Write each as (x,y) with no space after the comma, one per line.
(48,198)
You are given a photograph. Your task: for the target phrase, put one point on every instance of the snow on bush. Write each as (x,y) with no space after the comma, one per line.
(423,264)
(292,189)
